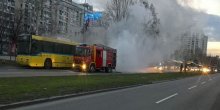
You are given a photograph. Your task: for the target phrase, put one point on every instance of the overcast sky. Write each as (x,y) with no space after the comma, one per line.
(208,6)
(98,4)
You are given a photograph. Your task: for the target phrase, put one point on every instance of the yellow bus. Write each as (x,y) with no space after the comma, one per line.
(38,51)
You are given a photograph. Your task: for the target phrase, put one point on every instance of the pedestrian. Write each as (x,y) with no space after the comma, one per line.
(181,67)
(185,67)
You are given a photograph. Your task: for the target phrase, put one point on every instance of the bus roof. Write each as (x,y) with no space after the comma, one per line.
(41,38)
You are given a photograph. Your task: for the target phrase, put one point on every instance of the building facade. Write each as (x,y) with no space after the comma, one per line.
(40,17)
(25,16)
(7,12)
(70,17)
(193,47)
(36,16)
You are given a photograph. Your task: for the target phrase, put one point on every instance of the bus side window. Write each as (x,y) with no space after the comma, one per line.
(34,47)
(49,47)
(73,50)
(57,48)
(68,49)
(41,46)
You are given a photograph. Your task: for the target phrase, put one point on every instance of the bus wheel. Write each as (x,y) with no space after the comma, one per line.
(48,64)
(92,68)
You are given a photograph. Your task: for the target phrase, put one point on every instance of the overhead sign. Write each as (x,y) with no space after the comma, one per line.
(95,16)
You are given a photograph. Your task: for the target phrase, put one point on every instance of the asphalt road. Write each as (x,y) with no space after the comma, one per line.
(196,93)
(15,71)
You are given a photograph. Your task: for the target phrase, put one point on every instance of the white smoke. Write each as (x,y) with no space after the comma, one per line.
(136,49)
(176,17)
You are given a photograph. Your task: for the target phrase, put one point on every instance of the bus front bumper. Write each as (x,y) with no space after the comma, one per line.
(23,60)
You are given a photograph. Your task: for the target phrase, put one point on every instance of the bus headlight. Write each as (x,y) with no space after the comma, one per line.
(73,65)
(84,66)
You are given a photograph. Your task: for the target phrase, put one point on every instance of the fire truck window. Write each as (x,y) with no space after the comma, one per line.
(80,51)
(88,52)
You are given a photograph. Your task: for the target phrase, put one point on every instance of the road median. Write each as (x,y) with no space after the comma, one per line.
(28,89)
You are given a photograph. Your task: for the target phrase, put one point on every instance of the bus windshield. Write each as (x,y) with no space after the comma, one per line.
(23,45)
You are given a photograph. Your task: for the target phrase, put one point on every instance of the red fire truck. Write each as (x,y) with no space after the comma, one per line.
(97,57)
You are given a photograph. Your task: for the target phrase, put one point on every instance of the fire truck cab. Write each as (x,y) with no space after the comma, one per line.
(97,57)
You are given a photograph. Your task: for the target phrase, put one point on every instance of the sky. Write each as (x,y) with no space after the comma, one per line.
(213,48)
(209,6)
(211,9)
(97,4)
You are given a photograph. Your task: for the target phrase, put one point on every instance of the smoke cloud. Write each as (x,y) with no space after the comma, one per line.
(136,49)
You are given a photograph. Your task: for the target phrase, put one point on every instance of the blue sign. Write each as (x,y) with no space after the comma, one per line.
(93,16)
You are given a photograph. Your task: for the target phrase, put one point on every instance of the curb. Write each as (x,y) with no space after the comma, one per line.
(42,100)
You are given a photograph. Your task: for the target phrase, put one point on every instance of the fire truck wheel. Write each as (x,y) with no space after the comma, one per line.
(92,68)
(48,64)
(108,69)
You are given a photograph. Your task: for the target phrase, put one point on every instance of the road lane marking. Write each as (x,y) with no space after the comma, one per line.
(203,82)
(192,87)
(210,79)
(166,98)
(199,79)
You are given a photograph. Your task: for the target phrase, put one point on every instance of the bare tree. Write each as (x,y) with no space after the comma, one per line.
(152,26)
(17,29)
(117,10)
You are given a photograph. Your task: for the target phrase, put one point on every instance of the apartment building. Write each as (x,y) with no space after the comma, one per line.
(193,46)
(41,17)
(7,12)
(70,16)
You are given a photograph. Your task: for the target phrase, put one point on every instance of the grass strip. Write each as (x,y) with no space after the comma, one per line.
(29,88)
